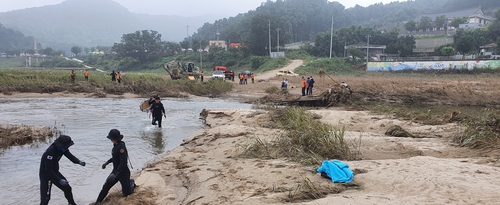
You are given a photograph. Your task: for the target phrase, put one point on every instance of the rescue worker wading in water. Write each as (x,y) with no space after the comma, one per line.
(49,169)
(157,110)
(121,172)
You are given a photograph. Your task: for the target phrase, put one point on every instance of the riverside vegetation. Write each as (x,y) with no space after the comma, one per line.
(100,84)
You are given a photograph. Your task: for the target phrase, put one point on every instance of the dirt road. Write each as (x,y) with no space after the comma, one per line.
(272,73)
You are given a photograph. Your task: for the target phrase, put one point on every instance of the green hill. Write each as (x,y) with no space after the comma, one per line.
(93,23)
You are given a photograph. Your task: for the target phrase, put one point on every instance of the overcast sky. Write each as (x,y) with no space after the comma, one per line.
(178,7)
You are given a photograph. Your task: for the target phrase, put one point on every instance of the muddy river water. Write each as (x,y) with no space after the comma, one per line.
(88,121)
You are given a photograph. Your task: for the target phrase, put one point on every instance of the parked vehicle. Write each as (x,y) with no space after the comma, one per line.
(286,73)
(227,73)
(218,75)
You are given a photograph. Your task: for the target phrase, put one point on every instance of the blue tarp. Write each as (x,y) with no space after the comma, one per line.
(337,171)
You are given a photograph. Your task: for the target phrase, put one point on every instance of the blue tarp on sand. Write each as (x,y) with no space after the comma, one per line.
(337,171)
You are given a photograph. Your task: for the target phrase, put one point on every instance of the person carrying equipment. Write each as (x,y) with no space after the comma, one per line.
(157,110)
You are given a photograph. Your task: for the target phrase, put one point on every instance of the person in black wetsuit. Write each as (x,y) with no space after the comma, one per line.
(121,172)
(49,169)
(113,76)
(157,110)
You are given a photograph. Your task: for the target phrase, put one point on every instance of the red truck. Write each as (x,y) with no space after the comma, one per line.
(227,73)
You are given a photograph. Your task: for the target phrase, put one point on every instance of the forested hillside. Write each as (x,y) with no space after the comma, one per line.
(14,42)
(90,23)
(300,20)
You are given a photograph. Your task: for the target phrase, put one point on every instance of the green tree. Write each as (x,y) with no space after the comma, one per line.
(457,21)
(184,44)
(171,48)
(403,46)
(411,26)
(29,51)
(13,51)
(447,50)
(139,45)
(425,22)
(494,28)
(76,50)
(356,53)
(47,51)
(258,40)
(440,21)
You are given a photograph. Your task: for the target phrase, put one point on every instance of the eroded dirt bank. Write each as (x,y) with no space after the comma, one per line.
(11,135)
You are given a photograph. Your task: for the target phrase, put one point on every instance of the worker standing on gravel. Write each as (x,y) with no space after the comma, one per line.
(311,85)
(202,75)
(253,76)
(304,82)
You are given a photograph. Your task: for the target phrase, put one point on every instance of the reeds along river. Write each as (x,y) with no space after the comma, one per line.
(88,121)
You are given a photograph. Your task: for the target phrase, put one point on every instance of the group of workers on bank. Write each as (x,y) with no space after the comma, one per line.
(244,78)
(114,76)
(72,74)
(307,85)
(49,168)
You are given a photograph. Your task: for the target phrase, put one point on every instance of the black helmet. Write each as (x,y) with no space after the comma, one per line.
(114,134)
(157,98)
(64,141)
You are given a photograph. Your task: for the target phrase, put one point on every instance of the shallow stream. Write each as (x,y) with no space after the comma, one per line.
(88,121)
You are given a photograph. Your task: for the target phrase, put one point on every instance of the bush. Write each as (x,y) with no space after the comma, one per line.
(306,139)
(257,61)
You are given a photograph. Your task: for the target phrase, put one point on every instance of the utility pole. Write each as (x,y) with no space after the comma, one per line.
(446,28)
(218,35)
(201,58)
(367,50)
(269,39)
(331,39)
(345,49)
(278,46)
(187,33)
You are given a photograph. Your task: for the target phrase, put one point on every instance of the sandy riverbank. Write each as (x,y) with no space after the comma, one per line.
(207,169)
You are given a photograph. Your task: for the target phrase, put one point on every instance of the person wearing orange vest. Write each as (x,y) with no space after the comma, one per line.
(86,75)
(303,86)
(201,75)
(119,77)
(245,77)
(253,76)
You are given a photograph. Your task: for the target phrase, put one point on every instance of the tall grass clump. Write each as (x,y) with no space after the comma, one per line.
(305,139)
(481,132)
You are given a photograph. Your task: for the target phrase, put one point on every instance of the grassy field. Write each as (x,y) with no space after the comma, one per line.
(143,84)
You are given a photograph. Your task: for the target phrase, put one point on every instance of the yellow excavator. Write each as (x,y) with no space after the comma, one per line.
(184,71)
